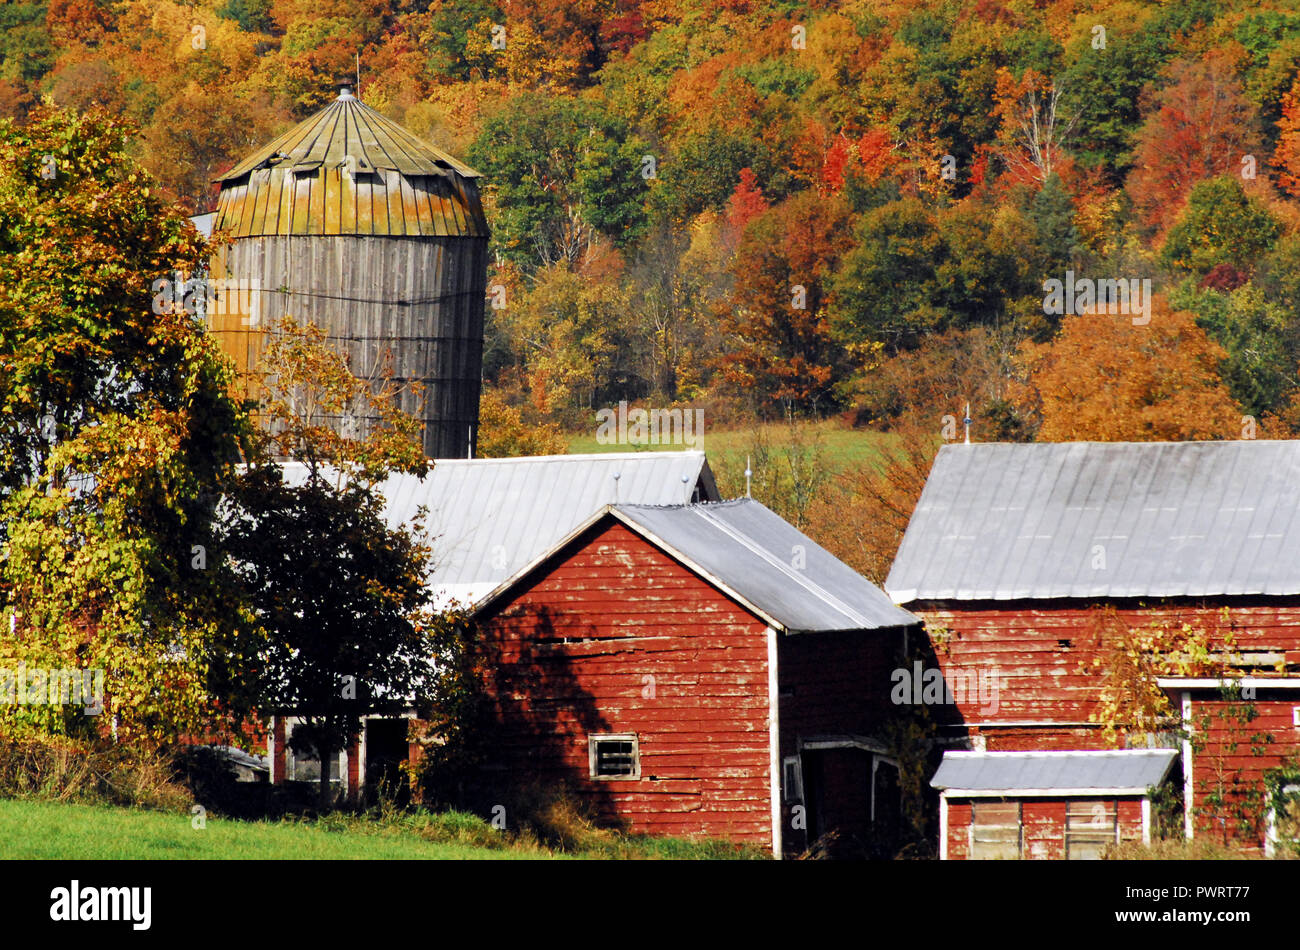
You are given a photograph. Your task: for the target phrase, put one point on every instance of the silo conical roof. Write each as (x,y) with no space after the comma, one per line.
(349,170)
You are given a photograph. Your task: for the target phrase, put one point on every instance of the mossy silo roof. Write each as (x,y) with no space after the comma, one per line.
(349,170)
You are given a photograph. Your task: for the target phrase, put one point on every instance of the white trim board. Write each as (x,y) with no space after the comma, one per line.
(1057,753)
(864,743)
(774,741)
(1043,793)
(1256,682)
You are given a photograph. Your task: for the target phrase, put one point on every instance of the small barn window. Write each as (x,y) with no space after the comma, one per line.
(995,830)
(614,756)
(791,779)
(1090,827)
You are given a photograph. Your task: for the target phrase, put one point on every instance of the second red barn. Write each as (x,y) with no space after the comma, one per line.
(700,670)
(1086,595)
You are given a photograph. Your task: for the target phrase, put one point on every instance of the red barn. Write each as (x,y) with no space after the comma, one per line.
(701,670)
(1031,563)
(490,517)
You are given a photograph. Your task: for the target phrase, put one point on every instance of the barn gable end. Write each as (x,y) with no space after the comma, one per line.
(620,632)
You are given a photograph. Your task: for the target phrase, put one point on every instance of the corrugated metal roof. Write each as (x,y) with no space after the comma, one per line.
(488,518)
(350,170)
(769,564)
(1128,769)
(1104,520)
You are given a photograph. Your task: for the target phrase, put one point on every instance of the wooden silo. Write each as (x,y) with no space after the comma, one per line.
(350,222)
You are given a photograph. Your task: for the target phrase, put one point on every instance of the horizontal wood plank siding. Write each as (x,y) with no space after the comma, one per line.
(1049,662)
(1041,680)
(616,637)
(1228,775)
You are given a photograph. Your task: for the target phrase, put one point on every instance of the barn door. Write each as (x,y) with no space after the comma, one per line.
(853,802)
(386,750)
(837,784)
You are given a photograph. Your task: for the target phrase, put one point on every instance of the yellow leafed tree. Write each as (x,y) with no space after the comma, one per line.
(1106,379)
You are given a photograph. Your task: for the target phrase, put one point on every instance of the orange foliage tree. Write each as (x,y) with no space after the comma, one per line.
(1287,157)
(1105,379)
(782,347)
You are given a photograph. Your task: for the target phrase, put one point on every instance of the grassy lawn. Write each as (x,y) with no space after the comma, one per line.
(38,829)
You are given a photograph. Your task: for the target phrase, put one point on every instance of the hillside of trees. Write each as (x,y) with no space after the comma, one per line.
(795,210)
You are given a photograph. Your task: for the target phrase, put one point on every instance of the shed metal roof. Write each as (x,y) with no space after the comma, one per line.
(759,559)
(203,223)
(487,518)
(1104,520)
(1120,770)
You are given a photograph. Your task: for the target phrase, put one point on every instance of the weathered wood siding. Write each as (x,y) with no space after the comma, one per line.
(1228,788)
(836,683)
(614,636)
(1043,822)
(1043,659)
(414,304)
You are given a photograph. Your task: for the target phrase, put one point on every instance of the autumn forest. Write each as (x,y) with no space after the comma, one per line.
(793,212)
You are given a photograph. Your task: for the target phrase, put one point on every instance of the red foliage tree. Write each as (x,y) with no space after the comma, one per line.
(746,202)
(782,351)
(1198,127)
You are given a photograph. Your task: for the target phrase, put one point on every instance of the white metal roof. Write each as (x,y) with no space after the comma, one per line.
(1104,519)
(770,564)
(757,558)
(1082,772)
(487,518)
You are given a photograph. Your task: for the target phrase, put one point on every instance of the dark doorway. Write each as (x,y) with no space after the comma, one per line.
(853,802)
(837,783)
(386,750)
(886,809)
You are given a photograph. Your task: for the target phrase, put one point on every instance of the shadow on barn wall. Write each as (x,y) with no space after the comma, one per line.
(534,767)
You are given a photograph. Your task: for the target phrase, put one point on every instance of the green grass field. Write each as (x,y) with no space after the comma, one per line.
(42,830)
(36,829)
(841,445)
